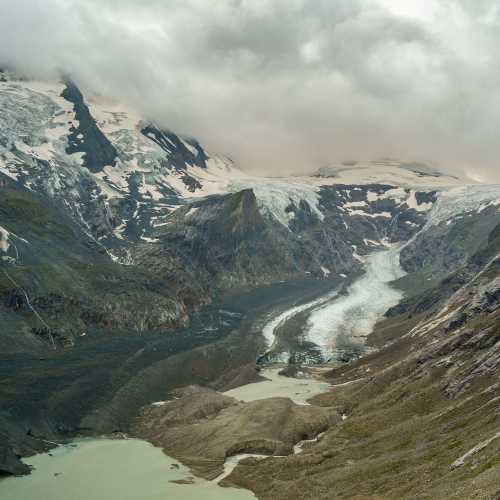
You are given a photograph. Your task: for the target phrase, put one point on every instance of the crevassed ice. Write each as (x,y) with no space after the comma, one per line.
(461,200)
(269,330)
(351,318)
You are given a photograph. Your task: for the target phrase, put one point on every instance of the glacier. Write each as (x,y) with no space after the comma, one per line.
(350,319)
(269,329)
(462,200)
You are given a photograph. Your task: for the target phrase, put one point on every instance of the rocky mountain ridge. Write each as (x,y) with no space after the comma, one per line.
(150,199)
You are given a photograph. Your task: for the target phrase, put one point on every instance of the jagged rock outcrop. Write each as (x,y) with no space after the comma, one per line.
(87,138)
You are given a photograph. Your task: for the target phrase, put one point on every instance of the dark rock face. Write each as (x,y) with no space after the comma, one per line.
(10,463)
(179,155)
(227,243)
(447,247)
(398,223)
(303,218)
(87,138)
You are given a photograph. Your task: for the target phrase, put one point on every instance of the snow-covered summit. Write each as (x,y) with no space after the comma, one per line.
(392,172)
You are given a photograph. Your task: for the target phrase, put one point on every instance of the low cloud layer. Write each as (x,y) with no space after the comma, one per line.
(285,85)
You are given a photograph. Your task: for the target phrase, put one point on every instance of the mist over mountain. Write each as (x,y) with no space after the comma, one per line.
(284,86)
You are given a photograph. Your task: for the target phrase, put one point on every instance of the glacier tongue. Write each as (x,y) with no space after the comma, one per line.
(348,320)
(269,329)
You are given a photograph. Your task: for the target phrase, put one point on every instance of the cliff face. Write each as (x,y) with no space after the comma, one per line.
(86,137)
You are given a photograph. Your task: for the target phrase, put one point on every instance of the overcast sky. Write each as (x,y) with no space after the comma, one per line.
(285,85)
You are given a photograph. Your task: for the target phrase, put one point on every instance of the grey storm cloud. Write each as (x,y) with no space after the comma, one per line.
(284,85)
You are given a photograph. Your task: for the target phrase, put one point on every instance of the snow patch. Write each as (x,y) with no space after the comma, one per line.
(149,240)
(4,240)
(481,446)
(326,272)
(387,215)
(191,211)
(231,463)
(275,196)
(461,200)
(355,204)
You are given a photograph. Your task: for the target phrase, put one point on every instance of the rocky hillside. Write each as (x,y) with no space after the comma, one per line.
(57,285)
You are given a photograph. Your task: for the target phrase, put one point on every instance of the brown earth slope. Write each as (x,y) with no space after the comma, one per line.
(203,427)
